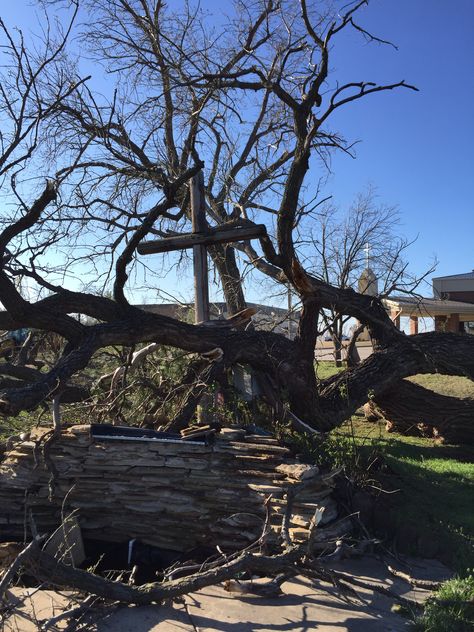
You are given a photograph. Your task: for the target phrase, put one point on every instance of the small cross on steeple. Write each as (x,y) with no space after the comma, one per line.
(367,254)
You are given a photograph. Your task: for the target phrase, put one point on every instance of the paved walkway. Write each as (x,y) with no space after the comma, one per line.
(302,608)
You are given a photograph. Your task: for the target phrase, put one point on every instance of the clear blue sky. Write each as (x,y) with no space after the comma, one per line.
(416,148)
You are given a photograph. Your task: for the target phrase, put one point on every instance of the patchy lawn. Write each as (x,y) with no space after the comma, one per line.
(325,369)
(436,483)
(446,384)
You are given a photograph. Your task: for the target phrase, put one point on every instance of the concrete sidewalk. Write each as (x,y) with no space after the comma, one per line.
(302,607)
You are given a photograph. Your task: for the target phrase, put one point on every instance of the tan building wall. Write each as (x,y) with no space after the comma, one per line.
(324,351)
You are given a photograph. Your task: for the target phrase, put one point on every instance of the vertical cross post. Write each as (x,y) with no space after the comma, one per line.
(290,315)
(198,215)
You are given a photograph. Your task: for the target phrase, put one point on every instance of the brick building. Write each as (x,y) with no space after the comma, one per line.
(457,287)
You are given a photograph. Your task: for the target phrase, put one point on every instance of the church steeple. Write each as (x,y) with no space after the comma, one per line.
(368,283)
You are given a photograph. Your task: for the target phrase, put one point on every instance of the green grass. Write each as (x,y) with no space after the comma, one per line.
(436,484)
(450,385)
(327,369)
(450,609)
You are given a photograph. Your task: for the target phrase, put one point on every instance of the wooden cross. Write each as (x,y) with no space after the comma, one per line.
(201,237)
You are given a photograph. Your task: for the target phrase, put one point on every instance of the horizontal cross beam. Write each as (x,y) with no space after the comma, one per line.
(212,236)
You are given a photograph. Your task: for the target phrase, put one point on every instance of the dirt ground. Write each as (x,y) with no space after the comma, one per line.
(302,607)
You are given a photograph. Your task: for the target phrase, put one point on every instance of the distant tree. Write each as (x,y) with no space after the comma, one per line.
(342,246)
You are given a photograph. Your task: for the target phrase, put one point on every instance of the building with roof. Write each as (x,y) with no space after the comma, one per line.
(456,287)
(455,316)
(451,307)
(268,317)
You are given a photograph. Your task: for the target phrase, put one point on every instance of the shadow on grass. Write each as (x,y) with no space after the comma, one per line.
(433,508)
(448,493)
(403,448)
(437,505)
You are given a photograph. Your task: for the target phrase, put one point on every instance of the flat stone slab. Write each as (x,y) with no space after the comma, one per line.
(30,607)
(302,608)
(147,619)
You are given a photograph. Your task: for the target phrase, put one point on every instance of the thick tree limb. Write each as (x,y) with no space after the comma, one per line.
(282,566)
(30,218)
(49,570)
(20,372)
(412,409)
(425,353)
(447,353)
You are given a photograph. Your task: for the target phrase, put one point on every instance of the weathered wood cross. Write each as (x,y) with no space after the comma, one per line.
(201,237)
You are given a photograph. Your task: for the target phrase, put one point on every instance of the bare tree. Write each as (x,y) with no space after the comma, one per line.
(363,250)
(250,104)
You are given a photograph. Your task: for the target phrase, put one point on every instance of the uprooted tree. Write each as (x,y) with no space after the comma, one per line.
(247,100)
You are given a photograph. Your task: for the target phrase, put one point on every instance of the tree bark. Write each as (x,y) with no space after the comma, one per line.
(49,570)
(199,376)
(411,409)
(282,566)
(303,394)
(447,353)
(352,358)
(287,363)
(226,264)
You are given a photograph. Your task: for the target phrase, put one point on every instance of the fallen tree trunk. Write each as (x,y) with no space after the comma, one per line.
(49,570)
(282,566)
(322,406)
(444,353)
(411,409)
